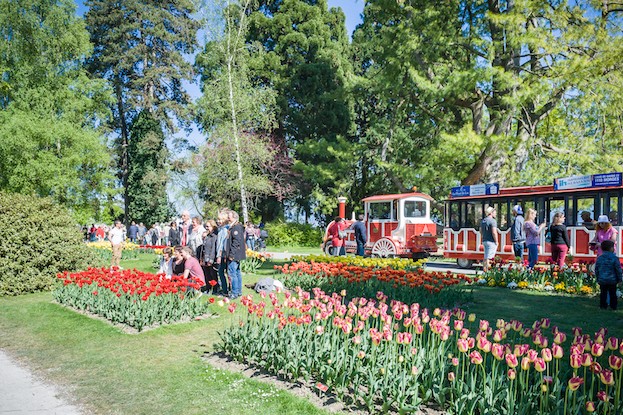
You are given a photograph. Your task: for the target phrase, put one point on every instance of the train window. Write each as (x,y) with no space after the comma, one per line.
(502,216)
(473,215)
(555,206)
(585,212)
(380,210)
(414,209)
(454,216)
(611,208)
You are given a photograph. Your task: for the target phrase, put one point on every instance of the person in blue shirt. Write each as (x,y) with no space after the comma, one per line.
(608,273)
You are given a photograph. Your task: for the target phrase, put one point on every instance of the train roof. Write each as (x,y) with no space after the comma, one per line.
(379,198)
(533,190)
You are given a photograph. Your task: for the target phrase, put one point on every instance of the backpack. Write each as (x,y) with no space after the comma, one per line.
(263,234)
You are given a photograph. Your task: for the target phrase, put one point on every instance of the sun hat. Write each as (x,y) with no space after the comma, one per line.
(489,210)
(603,219)
(518,210)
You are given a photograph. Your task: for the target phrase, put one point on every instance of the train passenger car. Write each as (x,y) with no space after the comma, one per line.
(582,199)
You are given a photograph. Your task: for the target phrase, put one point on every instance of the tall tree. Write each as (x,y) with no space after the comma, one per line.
(147,177)
(236,114)
(48,105)
(490,73)
(306,61)
(140,48)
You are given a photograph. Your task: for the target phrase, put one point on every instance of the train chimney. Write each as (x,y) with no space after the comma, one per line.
(341,207)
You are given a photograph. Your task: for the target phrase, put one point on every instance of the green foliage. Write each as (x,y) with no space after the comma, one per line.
(293,234)
(49,106)
(39,240)
(147,179)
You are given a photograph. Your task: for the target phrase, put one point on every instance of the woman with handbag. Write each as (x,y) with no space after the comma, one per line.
(533,237)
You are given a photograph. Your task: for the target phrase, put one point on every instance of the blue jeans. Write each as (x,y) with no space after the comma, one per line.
(360,250)
(533,255)
(233,268)
(222,277)
(518,248)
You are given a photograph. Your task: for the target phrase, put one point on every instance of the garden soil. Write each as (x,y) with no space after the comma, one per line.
(327,402)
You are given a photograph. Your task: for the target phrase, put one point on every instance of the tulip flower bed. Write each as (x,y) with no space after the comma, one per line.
(253,261)
(416,285)
(134,298)
(395,356)
(393,263)
(575,279)
(104,250)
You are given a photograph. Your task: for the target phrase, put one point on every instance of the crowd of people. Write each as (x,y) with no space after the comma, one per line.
(526,234)
(205,252)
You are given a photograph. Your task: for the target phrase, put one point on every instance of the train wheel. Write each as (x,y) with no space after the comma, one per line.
(464,263)
(327,248)
(384,248)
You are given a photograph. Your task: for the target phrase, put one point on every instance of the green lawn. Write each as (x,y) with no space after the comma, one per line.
(112,372)
(295,250)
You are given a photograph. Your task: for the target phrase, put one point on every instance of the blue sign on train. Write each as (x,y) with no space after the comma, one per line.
(475,190)
(588,181)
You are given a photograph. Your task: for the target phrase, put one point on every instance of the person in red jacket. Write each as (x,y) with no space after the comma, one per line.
(337,233)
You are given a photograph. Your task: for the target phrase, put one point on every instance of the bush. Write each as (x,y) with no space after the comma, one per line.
(293,234)
(39,240)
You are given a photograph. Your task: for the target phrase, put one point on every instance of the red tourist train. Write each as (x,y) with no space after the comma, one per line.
(401,224)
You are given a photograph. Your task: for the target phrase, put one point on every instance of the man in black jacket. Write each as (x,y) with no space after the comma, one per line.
(236,252)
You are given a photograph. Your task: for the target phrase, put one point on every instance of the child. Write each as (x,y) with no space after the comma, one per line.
(608,273)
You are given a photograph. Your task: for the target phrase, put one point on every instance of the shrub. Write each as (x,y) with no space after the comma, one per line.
(39,240)
(293,234)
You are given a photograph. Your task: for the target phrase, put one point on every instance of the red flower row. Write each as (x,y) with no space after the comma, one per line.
(128,281)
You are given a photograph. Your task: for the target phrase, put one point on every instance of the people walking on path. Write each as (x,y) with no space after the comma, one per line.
(116,236)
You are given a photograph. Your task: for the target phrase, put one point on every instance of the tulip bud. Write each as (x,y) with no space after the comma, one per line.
(455,361)
(462,345)
(525,363)
(458,325)
(575,383)
(361,354)
(590,406)
(546,354)
(606,377)
(511,360)
(401,359)
(615,362)
(539,365)
(413,370)
(612,344)
(544,388)
(511,374)
(497,350)
(451,376)
(471,318)
(597,349)
(587,360)
(602,396)
(557,351)
(575,360)
(475,357)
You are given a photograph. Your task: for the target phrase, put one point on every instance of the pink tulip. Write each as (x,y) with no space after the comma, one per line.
(319,329)
(590,406)
(476,357)
(462,345)
(577,331)
(546,354)
(511,360)
(484,325)
(484,345)
(455,361)
(451,376)
(464,333)
(511,374)
(525,363)
(458,325)
(540,365)
(587,360)
(557,351)
(497,350)
(597,349)
(599,338)
(606,377)
(532,355)
(498,336)
(612,344)
(361,354)
(575,360)
(472,342)
(603,396)
(615,362)
(595,367)
(575,383)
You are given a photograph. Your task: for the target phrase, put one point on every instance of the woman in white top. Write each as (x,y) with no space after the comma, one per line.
(195,239)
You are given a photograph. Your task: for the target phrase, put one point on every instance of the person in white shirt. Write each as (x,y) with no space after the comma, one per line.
(116,236)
